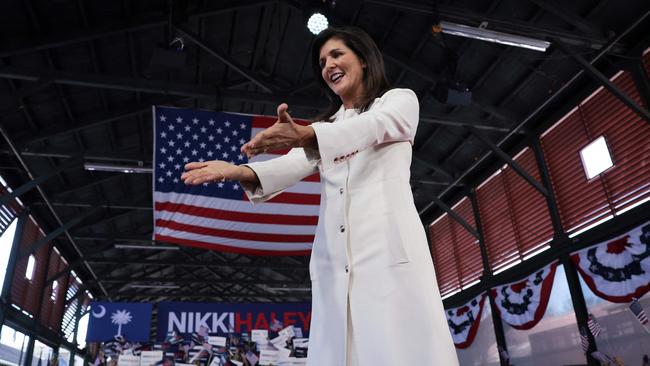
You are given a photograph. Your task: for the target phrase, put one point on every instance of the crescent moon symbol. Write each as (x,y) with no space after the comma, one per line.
(101,313)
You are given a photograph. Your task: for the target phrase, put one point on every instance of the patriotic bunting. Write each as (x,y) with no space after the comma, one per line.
(618,270)
(522,304)
(464,321)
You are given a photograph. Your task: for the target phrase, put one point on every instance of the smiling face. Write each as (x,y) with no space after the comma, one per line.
(342,71)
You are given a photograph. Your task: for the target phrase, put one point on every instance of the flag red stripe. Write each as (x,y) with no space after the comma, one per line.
(294,198)
(213,213)
(228,248)
(242,235)
(268,121)
(312,178)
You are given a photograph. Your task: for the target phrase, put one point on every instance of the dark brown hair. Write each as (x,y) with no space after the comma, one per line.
(374,76)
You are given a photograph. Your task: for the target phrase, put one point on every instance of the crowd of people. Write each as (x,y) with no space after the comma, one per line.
(239,349)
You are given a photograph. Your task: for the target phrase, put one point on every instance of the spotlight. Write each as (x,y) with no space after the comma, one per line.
(317,23)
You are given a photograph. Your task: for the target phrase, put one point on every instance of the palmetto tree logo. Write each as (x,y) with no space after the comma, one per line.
(121,317)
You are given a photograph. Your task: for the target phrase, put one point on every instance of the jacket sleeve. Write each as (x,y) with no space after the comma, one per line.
(394,119)
(277,174)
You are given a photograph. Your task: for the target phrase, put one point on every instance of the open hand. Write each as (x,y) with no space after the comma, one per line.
(210,171)
(285,133)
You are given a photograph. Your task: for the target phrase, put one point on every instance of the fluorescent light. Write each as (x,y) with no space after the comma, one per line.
(288,289)
(494,36)
(596,158)
(153,247)
(116,168)
(317,23)
(155,286)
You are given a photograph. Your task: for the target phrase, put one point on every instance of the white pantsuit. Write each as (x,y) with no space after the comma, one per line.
(375,300)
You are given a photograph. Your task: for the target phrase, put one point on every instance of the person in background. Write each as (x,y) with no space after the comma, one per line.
(375,300)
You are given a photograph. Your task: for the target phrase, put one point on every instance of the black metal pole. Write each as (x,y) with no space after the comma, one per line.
(561,240)
(11,265)
(44,294)
(604,81)
(499,334)
(77,317)
(29,352)
(641,80)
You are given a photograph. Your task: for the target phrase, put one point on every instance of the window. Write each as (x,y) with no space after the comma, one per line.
(14,345)
(596,158)
(55,288)
(42,354)
(81,331)
(31,266)
(64,356)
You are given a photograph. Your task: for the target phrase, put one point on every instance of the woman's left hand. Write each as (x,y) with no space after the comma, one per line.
(285,133)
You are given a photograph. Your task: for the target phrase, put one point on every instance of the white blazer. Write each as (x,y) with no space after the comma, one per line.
(371,268)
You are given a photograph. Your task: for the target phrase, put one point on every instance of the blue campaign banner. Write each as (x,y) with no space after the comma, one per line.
(186,318)
(131,320)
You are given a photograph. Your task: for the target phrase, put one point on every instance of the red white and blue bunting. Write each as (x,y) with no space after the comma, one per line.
(522,304)
(618,270)
(464,320)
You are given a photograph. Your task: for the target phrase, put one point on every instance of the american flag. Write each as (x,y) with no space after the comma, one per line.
(218,215)
(638,311)
(594,325)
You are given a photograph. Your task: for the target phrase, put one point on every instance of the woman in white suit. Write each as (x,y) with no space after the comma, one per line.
(375,300)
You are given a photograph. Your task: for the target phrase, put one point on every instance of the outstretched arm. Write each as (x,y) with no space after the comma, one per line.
(217,170)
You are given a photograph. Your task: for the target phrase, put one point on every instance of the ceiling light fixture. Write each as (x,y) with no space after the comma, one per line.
(305,289)
(117,168)
(483,34)
(152,247)
(155,286)
(317,23)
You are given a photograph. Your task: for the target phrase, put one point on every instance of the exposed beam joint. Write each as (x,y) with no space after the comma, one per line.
(38,180)
(248,74)
(435,166)
(513,164)
(456,217)
(604,81)
(54,234)
(455,123)
(559,10)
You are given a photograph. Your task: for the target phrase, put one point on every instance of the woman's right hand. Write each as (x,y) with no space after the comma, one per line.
(211,171)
